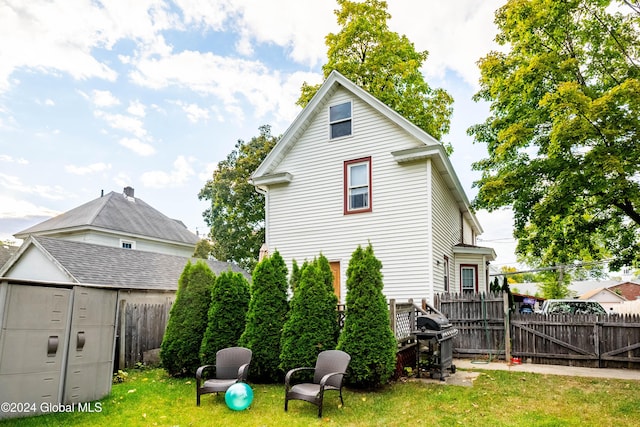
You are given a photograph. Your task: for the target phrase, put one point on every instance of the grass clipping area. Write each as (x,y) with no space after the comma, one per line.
(497,398)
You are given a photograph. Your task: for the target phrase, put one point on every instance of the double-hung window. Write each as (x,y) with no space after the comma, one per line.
(340,120)
(469,278)
(357,185)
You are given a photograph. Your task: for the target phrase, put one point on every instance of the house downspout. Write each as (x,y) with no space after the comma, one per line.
(430,258)
(265,193)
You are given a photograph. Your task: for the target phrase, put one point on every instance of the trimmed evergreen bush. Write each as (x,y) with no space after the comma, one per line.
(227,315)
(265,318)
(180,347)
(367,334)
(312,325)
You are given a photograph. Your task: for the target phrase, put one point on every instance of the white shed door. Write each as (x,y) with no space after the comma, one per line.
(91,345)
(32,341)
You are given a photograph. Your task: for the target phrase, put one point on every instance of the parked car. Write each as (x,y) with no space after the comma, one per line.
(526,309)
(572,306)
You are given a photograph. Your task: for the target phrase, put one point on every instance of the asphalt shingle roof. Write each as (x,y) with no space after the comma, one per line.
(114,267)
(115,212)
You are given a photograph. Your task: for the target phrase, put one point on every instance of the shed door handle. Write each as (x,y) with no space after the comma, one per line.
(52,346)
(80,341)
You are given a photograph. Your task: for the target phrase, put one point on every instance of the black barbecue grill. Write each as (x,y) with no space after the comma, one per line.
(434,335)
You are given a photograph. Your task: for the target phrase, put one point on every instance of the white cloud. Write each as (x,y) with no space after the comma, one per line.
(178,176)
(9,159)
(12,208)
(207,172)
(62,36)
(84,170)
(13,184)
(456,33)
(194,112)
(136,108)
(126,123)
(104,98)
(137,146)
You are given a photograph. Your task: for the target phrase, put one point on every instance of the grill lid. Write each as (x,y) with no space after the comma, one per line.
(432,322)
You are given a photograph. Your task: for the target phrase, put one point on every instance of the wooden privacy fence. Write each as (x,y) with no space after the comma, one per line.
(598,341)
(485,331)
(140,329)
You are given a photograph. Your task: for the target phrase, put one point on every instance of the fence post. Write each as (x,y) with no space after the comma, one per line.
(392,317)
(507,327)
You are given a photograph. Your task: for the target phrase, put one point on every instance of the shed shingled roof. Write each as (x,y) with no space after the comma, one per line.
(114,267)
(116,212)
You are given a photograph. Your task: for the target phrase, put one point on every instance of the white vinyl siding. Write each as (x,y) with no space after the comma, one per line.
(301,230)
(115,240)
(446,231)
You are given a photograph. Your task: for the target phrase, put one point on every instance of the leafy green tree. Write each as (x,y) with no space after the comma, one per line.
(203,249)
(227,315)
(555,284)
(564,128)
(385,64)
(312,325)
(367,334)
(236,215)
(266,315)
(180,346)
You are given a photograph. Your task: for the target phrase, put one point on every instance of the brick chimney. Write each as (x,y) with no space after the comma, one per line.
(128,191)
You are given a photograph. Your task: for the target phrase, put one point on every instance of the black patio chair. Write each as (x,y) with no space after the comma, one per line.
(232,366)
(331,367)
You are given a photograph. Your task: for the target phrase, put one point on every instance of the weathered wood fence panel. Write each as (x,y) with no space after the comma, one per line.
(479,319)
(620,341)
(556,339)
(142,330)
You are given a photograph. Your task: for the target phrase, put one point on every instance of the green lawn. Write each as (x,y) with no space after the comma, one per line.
(497,398)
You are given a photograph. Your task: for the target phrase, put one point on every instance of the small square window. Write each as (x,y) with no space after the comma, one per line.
(340,120)
(127,244)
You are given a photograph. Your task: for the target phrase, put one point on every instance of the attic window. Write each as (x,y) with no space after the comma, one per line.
(127,244)
(340,120)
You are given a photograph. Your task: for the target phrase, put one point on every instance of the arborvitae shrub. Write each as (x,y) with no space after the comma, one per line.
(266,316)
(367,335)
(312,324)
(180,347)
(227,315)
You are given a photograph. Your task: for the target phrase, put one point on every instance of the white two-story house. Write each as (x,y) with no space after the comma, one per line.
(349,171)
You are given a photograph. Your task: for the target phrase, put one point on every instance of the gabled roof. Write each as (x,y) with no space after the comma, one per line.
(266,173)
(116,212)
(111,267)
(592,293)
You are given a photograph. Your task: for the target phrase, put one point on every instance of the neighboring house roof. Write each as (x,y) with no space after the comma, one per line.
(6,252)
(266,173)
(112,267)
(601,293)
(116,212)
(630,290)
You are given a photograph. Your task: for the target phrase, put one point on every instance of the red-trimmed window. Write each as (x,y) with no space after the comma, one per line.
(469,278)
(357,185)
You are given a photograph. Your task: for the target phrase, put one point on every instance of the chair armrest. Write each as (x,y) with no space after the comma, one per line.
(326,377)
(200,371)
(243,372)
(287,378)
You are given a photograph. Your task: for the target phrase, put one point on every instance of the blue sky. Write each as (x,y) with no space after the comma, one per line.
(98,95)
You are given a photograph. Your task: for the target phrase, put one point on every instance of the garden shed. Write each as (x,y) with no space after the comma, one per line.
(60,304)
